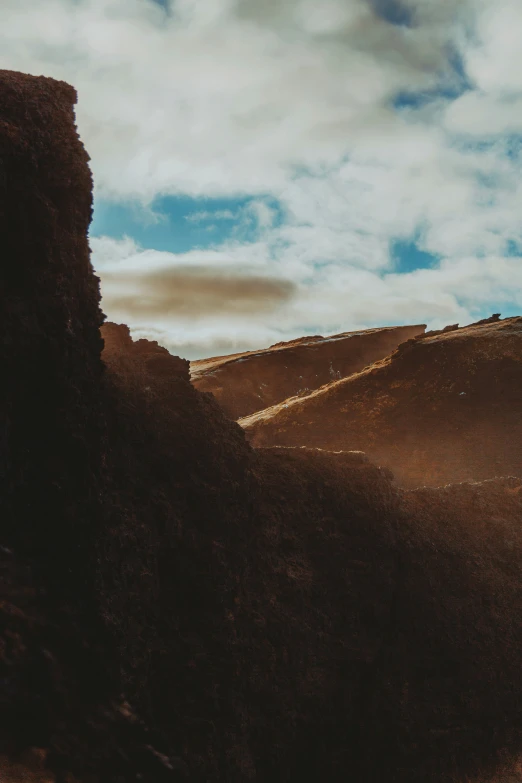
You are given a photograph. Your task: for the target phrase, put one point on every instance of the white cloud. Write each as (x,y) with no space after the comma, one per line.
(482,114)
(255,214)
(113,255)
(262,213)
(218,97)
(335,297)
(200,217)
(242,98)
(494,60)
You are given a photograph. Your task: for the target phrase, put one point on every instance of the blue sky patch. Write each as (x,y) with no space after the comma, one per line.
(514,146)
(393,11)
(450,88)
(510,145)
(513,249)
(418,99)
(407,256)
(183,223)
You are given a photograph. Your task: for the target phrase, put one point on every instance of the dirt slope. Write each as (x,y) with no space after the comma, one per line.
(248,382)
(442,408)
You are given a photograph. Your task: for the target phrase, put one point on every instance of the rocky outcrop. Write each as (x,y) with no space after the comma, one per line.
(300,584)
(226,589)
(51,428)
(117,341)
(248,382)
(442,408)
(59,679)
(177,605)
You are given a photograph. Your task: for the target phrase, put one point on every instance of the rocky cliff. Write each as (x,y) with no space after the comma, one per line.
(60,689)
(248,382)
(300,584)
(444,407)
(177,605)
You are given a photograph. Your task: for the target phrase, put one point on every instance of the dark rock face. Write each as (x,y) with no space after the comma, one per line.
(442,408)
(49,321)
(248,382)
(224,600)
(51,421)
(57,675)
(491,320)
(271,615)
(446,682)
(356,617)
(117,341)
(234,600)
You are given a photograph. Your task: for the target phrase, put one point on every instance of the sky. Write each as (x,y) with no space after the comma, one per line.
(267,169)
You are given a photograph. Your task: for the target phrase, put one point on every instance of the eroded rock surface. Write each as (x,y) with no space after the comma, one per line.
(442,408)
(248,382)
(345,609)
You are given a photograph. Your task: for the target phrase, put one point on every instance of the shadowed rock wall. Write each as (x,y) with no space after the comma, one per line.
(50,407)
(317,612)
(59,677)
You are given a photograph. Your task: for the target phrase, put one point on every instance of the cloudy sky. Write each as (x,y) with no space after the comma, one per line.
(266,169)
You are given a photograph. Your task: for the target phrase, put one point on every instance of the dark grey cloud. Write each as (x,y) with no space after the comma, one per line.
(411,35)
(188,291)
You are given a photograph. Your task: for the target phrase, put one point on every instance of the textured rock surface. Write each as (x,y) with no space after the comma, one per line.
(443,408)
(49,321)
(59,684)
(247,382)
(351,614)
(226,585)
(271,615)
(455,643)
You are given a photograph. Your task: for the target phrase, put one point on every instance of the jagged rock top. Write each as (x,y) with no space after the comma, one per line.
(443,407)
(117,340)
(247,382)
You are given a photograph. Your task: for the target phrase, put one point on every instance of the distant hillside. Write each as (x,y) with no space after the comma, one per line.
(442,408)
(247,382)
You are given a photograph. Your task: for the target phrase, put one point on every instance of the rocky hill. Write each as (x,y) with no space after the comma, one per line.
(444,407)
(247,382)
(176,605)
(345,608)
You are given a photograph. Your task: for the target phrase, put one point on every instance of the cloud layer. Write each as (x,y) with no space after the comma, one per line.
(366,122)
(195,292)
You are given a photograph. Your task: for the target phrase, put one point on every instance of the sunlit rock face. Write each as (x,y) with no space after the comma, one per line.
(248,382)
(445,407)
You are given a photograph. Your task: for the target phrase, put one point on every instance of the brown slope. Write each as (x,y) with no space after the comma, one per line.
(248,382)
(442,408)
(330,613)
(272,614)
